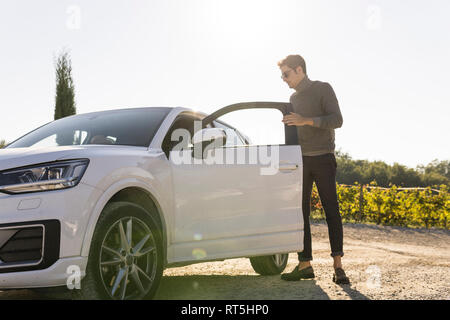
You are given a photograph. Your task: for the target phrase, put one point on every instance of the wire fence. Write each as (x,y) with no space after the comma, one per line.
(398,188)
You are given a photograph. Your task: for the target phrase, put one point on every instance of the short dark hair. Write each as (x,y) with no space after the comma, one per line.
(293,61)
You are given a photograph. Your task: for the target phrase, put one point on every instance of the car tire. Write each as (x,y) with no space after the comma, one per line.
(126,255)
(269,265)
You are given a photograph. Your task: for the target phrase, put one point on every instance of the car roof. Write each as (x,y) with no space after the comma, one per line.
(121,110)
(175,109)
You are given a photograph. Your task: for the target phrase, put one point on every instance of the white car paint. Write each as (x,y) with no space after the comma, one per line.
(208,212)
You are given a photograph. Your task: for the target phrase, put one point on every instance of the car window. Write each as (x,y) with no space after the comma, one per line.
(186,122)
(262,126)
(233,136)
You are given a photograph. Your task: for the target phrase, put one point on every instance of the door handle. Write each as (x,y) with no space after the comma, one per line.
(288,166)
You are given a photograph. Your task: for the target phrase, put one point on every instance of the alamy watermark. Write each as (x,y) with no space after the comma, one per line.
(73,21)
(374,277)
(374,18)
(207,147)
(73,273)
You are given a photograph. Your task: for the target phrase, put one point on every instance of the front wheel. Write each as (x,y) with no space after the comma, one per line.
(269,265)
(126,255)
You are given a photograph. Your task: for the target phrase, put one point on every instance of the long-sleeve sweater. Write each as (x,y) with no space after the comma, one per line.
(316,100)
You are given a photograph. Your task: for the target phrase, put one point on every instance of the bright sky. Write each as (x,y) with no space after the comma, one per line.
(388,62)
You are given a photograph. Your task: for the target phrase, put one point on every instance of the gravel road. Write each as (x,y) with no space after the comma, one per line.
(381,262)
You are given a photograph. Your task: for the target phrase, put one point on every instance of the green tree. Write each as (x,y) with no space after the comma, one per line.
(65,94)
(349,171)
(440,167)
(2,143)
(401,175)
(377,171)
(436,172)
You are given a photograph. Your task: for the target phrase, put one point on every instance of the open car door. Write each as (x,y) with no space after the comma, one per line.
(242,206)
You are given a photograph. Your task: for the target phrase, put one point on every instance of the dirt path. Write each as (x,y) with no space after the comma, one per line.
(381,262)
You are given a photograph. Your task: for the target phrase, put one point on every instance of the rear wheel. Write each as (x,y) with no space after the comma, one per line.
(269,265)
(126,256)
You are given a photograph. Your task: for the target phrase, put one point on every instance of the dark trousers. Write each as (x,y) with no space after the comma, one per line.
(321,170)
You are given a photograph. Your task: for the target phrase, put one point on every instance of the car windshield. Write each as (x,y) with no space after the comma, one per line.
(129,127)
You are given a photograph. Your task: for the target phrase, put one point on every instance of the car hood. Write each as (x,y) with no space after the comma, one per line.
(19,157)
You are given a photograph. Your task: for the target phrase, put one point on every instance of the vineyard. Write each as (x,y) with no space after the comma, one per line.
(407,207)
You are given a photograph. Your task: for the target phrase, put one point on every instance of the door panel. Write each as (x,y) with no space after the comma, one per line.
(216,201)
(236,201)
(235,208)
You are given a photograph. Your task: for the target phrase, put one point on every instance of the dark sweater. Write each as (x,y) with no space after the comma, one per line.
(317,100)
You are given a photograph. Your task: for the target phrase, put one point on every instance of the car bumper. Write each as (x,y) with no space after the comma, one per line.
(58,274)
(54,225)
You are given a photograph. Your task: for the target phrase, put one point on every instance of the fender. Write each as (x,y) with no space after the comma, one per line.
(105,198)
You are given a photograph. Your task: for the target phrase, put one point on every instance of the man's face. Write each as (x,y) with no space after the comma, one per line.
(292,77)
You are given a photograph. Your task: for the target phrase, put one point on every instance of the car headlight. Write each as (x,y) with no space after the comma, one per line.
(43,177)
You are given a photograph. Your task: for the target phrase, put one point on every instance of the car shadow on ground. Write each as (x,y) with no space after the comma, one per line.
(243,287)
(21,294)
(218,287)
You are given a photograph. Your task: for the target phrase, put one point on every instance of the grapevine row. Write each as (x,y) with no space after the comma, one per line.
(421,207)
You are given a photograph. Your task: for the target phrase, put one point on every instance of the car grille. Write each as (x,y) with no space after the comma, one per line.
(30,245)
(25,245)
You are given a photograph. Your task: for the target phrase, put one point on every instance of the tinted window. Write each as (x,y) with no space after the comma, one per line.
(132,127)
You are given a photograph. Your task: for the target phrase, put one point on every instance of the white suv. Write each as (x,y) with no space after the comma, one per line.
(105,193)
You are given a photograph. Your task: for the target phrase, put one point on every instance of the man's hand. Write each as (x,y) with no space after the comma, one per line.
(294,119)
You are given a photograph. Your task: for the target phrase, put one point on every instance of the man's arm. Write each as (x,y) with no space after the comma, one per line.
(330,106)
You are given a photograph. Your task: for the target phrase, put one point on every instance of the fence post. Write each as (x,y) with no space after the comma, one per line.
(361,203)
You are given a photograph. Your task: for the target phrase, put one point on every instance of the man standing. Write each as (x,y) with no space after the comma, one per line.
(316,115)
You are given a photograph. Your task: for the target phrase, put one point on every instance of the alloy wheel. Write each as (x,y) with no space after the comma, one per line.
(279,259)
(128,259)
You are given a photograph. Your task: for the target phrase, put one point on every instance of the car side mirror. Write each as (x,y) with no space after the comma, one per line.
(206,137)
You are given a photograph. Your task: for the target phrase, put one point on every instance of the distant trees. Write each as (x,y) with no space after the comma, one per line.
(2,143)
(436,170)
(65,94)
(350,171)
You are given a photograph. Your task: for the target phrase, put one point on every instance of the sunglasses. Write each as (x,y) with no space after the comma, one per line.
(285,74)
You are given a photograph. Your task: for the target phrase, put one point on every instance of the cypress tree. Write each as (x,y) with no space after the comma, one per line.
(65,94)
